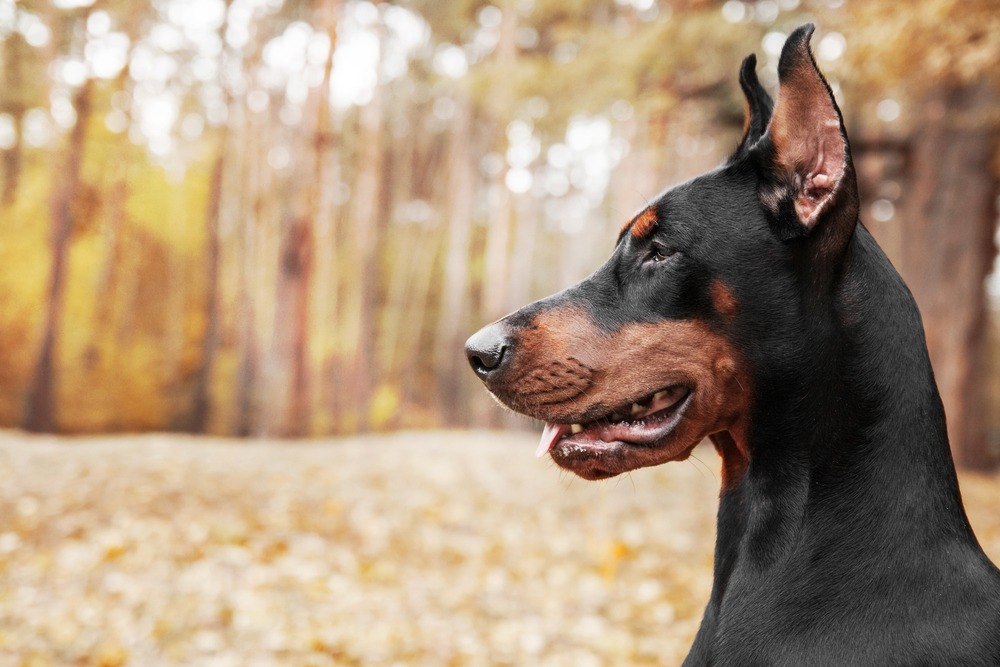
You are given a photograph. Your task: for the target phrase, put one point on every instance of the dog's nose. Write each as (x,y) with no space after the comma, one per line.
(488,349)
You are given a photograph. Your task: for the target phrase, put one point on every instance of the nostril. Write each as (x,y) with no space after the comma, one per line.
(484,361)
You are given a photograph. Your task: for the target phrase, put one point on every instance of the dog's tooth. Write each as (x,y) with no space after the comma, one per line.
(551,434)
(636,408)
(576,428)
(660,395)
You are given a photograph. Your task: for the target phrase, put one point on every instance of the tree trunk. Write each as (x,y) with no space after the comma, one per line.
(529,221)
(117,208)
(290,416)
(449,363)
(13,103)
(210,345)
(210,342)
(327,177)
(418,309)
(497,253)
(39,413)
(292,334)
(247,373)
(366,208)
(410,262)
(245,382)
(948,250)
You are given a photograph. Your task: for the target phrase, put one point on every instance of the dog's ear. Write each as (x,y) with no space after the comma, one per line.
(809,174)
(757,107)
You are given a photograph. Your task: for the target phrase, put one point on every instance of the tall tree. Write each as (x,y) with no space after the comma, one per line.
(497,251)
(290,412)
(948,251)
(201,405)
(326,178)
(245,417)
(290,382)
(451,327)
(39,412)
(12,102)
(365,218)
(941,58)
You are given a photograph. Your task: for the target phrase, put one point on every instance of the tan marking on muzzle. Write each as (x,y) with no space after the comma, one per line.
(567,369)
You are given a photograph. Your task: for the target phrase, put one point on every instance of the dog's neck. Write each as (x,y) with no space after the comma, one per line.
(849,452)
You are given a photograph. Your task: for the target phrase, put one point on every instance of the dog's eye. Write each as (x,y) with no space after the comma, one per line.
(659,253)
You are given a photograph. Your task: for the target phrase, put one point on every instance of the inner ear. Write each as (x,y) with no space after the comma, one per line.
(817,165)
(810,150)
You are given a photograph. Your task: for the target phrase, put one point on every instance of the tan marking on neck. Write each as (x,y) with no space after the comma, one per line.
(732,447)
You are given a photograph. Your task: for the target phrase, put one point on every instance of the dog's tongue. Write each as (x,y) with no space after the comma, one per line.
(550,436)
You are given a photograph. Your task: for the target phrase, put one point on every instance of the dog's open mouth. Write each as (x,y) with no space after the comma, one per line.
(643,423)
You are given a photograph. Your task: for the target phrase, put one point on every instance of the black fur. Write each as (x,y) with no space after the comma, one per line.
(759,103)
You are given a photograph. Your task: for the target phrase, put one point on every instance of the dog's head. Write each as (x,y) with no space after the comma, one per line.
(662,346)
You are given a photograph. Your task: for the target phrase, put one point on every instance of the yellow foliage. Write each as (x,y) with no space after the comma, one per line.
(111,654)
(384,406)
(130,324)
(613,554)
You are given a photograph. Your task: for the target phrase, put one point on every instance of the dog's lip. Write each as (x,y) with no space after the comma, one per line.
(645,427)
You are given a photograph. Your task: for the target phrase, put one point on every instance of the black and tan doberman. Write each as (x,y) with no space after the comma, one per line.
(751,306)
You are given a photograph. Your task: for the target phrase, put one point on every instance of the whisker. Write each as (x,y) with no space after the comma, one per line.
(710,471)
(700,471)
(644,197)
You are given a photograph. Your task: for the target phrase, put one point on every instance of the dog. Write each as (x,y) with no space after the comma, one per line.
(752,307)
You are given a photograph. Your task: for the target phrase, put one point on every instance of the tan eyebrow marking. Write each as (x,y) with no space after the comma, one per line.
(642,224)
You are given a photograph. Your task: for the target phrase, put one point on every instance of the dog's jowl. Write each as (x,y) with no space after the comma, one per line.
(751,306)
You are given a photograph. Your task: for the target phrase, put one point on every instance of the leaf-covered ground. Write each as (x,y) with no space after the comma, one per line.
(432,548)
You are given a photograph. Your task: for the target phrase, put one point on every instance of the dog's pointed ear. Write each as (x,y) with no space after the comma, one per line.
(757,107)
(808,159)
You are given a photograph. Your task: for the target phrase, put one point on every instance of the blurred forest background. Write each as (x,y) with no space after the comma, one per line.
(267,217)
